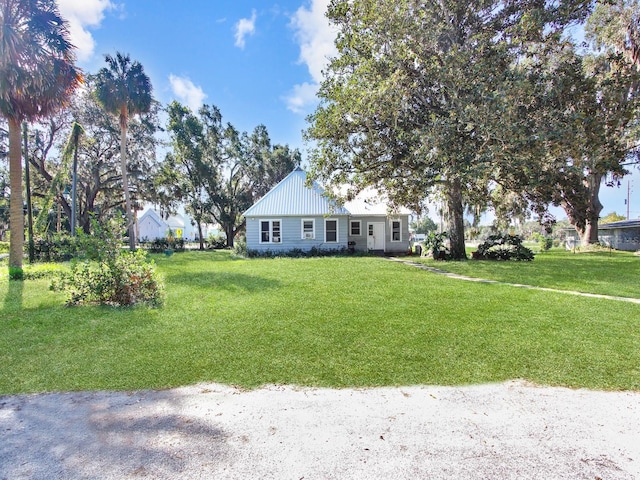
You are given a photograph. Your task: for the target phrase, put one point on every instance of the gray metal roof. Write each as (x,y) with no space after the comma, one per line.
(620,224)
(291,197)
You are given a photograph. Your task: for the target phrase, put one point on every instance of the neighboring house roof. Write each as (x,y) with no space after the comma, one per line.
(291,197)
(620,224)
(152,215)
(175,221)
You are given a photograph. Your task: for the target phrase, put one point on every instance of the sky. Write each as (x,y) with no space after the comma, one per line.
(258,61)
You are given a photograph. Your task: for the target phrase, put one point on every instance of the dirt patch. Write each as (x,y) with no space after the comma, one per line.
(508,430)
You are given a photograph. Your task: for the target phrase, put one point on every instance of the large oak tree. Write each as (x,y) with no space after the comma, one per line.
(423,94)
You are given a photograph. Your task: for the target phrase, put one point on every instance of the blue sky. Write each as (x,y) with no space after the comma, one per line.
(259,61)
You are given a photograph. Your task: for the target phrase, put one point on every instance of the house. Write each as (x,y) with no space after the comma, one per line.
(623,235)
(293,216)
(151,225)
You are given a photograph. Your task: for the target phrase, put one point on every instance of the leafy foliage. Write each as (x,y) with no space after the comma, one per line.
(104,274)
(503,247)
(128,279)
(434,244)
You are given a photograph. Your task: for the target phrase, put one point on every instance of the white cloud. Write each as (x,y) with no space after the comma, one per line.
(244,27)
(301,97)
(187,92)
(83,15)
(316,37)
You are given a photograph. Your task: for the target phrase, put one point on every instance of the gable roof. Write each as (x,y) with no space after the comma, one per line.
(152,215)
(291,197)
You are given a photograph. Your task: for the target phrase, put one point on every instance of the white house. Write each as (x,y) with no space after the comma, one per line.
(294,216)
(151,226)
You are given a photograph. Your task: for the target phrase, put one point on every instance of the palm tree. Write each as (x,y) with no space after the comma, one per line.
(124,89)
(72,147)
(37,76)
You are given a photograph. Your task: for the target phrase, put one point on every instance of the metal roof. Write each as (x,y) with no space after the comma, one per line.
(620,224)
(291,197)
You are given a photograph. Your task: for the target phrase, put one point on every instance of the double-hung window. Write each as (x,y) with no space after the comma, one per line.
(330,231)
(270,231)
(396,231)
(308,228)
(356,226)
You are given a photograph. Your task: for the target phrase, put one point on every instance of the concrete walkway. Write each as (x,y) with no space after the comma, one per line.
(422,266)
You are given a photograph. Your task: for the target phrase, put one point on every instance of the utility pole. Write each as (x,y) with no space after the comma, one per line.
(628,198)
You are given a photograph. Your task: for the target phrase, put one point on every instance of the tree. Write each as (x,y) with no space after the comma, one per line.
(37,76)
(612,217)
(99,180)
(425,225)
(124,89)
(72,149)
(184,170)
(423,94)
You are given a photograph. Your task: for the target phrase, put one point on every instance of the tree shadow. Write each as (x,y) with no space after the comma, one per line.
(13,296)
(224,281)
(119,435)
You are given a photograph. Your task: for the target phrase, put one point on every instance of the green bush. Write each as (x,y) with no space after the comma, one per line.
(127,279)
(503,247)
(16,273)
(434,245)
(4,247)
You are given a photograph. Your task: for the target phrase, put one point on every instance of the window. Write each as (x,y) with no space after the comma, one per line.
(355,228)
(308,228)
(331,231)
(269,231)
(396,231)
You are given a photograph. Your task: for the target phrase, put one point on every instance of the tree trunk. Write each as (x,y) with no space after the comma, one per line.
(589,235)
(16,206)
(455,219)
(125,185)
(230,234)
(200,234)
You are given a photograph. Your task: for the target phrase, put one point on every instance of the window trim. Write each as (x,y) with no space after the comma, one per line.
(392,220)
(271,222)
(359,222)
(337,230)
(313,228)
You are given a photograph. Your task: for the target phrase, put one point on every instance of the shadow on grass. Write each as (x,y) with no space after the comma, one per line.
(222,280)
(13,297)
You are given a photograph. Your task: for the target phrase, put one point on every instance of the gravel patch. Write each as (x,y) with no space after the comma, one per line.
(497,431)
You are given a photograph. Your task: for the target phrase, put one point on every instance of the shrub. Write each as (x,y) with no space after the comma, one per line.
(4,247)
(16,273)
(217,242)
(434,245)
(126,279)
(503,247)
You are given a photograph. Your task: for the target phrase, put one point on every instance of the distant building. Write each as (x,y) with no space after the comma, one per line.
(151,225)
(623,235)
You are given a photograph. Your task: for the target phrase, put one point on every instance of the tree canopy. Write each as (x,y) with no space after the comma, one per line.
(426,95)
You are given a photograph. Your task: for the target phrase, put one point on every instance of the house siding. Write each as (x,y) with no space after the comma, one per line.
(291,234)
(360,244)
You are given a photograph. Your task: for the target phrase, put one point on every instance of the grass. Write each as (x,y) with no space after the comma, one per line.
(608,273)
(335,322)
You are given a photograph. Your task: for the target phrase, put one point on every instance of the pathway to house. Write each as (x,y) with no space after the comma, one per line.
(422,266)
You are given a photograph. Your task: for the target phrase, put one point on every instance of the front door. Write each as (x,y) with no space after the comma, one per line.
(375,236)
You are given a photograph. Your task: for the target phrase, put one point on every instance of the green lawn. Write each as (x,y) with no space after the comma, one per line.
(608,273)
(339,322)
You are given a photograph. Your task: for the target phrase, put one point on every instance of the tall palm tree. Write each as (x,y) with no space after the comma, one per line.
(124,89)
(37,75)
(72,148)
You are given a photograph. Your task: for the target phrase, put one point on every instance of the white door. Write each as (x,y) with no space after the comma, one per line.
(375,236)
